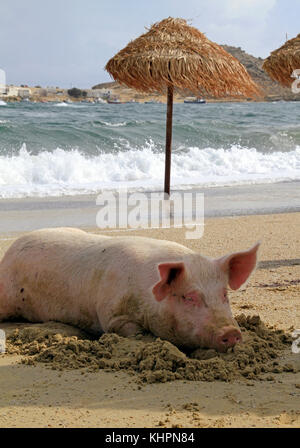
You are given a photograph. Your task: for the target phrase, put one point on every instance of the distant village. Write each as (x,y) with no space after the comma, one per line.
(48,94)
(114,94)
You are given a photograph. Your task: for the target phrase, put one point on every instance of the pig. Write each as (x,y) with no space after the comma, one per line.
(125,285)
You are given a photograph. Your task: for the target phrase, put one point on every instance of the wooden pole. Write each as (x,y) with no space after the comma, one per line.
(168,139)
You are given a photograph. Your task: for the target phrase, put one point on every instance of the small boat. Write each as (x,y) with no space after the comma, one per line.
(116,101)
(194,101)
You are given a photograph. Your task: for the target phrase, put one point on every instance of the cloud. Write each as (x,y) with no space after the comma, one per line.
(70,42)
(241,23)
(250,9)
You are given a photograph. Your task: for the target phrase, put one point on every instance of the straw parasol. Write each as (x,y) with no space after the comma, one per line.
(173,54)
(282,62)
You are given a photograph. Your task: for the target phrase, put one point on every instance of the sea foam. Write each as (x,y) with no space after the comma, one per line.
(63,172)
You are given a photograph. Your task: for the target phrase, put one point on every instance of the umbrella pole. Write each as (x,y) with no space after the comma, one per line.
(168,139)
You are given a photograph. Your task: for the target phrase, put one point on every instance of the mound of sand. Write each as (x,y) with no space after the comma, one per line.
(151,359)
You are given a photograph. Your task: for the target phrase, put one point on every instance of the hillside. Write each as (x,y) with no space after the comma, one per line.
(272,91)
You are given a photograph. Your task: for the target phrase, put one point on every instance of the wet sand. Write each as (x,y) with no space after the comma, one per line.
(25,214)
(37,396)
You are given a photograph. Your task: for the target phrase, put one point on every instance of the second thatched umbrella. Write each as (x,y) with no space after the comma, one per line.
(174,54)
(282,62)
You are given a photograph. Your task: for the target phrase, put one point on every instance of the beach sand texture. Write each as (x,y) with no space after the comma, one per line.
(37,396)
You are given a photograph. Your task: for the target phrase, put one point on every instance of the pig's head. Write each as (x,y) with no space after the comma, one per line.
(193,297)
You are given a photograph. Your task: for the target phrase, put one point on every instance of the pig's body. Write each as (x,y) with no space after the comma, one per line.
(114,284)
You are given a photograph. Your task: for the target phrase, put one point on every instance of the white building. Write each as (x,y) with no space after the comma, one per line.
(40,92)
(24,92)
(97,93)
(51,90)
(12,91)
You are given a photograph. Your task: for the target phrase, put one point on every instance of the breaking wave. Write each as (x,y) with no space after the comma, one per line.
(69,172)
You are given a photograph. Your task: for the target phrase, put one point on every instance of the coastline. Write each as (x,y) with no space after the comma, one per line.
(25,214)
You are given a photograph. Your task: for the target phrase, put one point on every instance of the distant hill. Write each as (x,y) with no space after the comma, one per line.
(105,85)
(272,91)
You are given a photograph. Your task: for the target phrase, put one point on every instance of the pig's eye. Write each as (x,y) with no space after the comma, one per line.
(188,298)
(225,296)
(193,298)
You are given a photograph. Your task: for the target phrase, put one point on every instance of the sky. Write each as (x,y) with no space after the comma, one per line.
(67,43)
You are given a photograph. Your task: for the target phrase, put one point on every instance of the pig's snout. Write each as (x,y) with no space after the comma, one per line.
(228,337)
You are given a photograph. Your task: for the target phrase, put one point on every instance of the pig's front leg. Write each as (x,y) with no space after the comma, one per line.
(123,326)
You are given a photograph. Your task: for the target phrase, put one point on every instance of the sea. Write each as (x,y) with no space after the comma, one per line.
(50,150)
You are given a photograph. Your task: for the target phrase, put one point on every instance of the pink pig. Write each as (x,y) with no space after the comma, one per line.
(123,285)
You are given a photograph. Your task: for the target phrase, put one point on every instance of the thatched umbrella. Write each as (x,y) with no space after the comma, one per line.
(174,54)
(282,62)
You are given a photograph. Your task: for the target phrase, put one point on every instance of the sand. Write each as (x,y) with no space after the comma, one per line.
(54,376)
(152,360)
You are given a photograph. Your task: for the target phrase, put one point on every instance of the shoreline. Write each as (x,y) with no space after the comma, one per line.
(162,100)
(25,214)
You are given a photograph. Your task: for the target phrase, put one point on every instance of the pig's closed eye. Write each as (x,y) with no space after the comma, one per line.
(192,298)
(188,298)
(225,296)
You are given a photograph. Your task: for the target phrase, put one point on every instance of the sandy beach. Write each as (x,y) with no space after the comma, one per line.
(176,121)
(38,396)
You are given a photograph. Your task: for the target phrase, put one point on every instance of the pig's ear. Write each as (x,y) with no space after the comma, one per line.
(239,266)
(169,272)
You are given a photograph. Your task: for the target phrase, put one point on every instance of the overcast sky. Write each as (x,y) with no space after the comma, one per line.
(68,42)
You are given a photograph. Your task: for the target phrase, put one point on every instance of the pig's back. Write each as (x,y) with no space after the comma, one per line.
(68,247)
(51,274)
(65,274)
